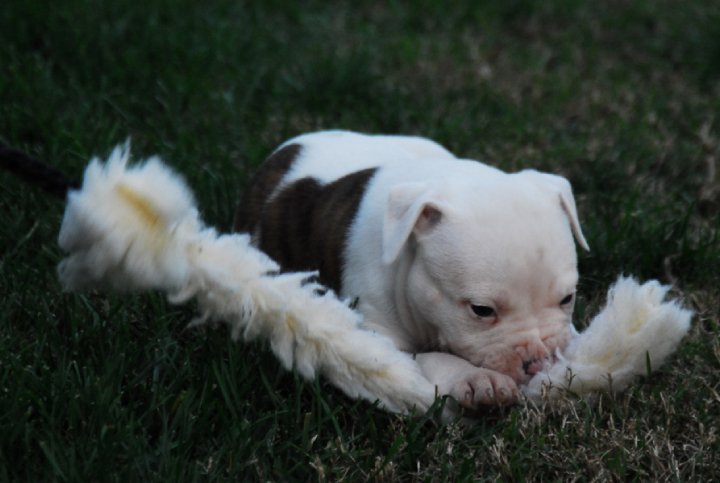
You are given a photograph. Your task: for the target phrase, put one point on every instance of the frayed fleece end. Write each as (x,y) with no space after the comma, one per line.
(633,335)
(137,227)
(117,227)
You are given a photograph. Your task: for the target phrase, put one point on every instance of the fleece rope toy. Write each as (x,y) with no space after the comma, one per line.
(137,227)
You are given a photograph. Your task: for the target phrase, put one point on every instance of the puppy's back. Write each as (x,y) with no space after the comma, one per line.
(330,155)
(301,203)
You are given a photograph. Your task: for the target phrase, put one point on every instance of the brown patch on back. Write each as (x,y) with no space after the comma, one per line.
(262,185)
(306,226)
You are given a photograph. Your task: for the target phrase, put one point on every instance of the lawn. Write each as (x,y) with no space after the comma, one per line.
(621,97)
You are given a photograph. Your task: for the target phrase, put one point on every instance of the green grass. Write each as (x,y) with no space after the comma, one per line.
(620,97)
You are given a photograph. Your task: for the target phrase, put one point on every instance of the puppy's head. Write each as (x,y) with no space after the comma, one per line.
(492,265)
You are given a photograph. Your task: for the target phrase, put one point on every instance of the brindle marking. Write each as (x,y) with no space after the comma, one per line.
(262,185)
(305,226)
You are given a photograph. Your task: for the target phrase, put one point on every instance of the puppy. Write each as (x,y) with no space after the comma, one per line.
(471,269)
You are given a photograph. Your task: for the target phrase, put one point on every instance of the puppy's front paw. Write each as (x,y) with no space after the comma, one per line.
(484,387)
(469,385)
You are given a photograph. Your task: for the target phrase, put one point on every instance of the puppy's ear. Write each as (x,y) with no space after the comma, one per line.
(560,186)
(411,208)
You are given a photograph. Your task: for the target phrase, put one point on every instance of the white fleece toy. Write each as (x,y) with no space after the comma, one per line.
(137,227)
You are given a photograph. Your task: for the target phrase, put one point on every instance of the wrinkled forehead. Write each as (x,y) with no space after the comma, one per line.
(508,210)
(521,237)
(524,231)
(521,248)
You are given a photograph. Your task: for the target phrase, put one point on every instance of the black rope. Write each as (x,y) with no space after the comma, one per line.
(36,172)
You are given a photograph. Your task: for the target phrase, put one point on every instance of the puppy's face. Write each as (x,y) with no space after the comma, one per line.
(495,270)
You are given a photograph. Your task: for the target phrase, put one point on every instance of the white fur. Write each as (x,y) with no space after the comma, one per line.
(138,228)
(329,155)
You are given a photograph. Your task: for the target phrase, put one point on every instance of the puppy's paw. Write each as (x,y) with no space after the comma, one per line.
(469,385)
(484,387)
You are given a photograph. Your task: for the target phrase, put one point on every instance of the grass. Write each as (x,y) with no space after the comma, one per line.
(620,97)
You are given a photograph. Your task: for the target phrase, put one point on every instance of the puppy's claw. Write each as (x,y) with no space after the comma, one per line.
(484,387)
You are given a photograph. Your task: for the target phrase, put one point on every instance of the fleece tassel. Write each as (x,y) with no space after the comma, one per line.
(138,228)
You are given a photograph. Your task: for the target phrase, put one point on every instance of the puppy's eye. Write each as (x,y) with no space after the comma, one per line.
(567,299)
(483,311)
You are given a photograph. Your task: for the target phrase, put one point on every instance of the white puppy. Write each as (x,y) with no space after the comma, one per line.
(471,269)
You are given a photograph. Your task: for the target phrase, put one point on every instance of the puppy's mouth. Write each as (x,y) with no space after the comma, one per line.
(533,366)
